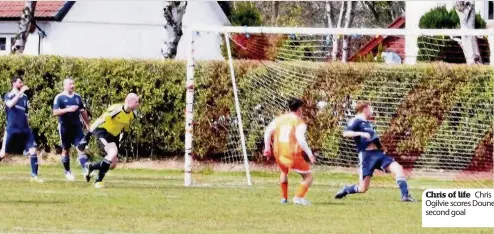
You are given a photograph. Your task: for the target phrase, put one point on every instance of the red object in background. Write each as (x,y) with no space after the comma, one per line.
(392,43)
(483,158)
(454,53)
(251,46)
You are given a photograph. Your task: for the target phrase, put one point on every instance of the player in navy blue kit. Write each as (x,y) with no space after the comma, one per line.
(18,135)
(69,108)
(371,155)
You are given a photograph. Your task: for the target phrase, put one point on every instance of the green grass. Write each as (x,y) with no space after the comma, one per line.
(152,201)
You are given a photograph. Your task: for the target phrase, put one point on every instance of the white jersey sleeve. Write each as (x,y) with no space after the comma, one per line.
(268,133)
(300,135)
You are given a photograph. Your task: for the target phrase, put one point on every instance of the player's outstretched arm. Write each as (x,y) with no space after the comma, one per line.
(300,136)
(353,130)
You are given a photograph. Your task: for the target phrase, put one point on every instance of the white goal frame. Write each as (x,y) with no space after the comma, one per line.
(411,35)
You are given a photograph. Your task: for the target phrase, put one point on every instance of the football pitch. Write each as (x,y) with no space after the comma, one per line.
(154,201)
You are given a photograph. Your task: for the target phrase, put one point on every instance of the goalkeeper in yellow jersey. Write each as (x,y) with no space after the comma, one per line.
(110,128)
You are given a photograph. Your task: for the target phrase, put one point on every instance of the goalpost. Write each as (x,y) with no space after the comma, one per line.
(303,58)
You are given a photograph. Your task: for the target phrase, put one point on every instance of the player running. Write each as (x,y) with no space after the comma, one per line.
(68,106)
(288,135)
(18,135)
(371,155)
(109,129)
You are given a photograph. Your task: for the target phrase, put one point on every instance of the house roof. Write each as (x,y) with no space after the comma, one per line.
(45,10)
(225,7)
(398,23)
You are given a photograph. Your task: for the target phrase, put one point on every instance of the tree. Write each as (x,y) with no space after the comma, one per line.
(26,26)
(245,14)
(382,12)
(345,15)
(338,25)
(466,12)
(291,13)
(329,17)
(369,14)
(276,11)
(440,18)
(173,12)
(348,22)
(245,45)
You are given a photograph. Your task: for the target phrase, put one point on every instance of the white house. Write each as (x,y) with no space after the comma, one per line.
(108,29)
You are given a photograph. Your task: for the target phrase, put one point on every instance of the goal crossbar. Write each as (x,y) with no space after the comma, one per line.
(340,31)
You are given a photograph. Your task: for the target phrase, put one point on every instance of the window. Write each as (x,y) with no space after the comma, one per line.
(490,10)
(3,43)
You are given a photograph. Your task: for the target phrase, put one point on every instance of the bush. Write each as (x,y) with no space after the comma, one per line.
(250,46)
(369,58)
(296,47)
(102,82)
(443,48)
(245,14)
(441,18)
(435,90)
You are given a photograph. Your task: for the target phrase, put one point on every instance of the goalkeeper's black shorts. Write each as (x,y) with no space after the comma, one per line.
(104,138)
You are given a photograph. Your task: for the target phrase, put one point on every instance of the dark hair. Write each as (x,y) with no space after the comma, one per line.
(294,104)
(20,72)
(15,78)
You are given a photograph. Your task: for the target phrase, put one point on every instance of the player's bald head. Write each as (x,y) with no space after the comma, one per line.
(67,80)
(131,97)
(68,84)
(132,101)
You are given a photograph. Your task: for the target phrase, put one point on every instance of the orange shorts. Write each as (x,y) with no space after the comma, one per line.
(298,164)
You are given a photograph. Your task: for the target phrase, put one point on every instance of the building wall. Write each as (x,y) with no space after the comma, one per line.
(7,31)
(485,10)
(9,27)
(123,29)
(206,45)
(482,7)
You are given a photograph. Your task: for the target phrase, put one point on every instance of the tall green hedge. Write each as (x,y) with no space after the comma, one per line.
(440,17)
(434,90)
(102,82)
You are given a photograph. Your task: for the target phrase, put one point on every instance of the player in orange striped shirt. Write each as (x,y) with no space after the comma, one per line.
(287,134)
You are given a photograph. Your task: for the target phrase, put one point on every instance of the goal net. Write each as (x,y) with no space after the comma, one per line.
(433,107)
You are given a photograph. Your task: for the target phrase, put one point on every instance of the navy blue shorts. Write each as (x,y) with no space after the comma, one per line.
(70,136)
(17,143)
(372,160)
(104,138)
